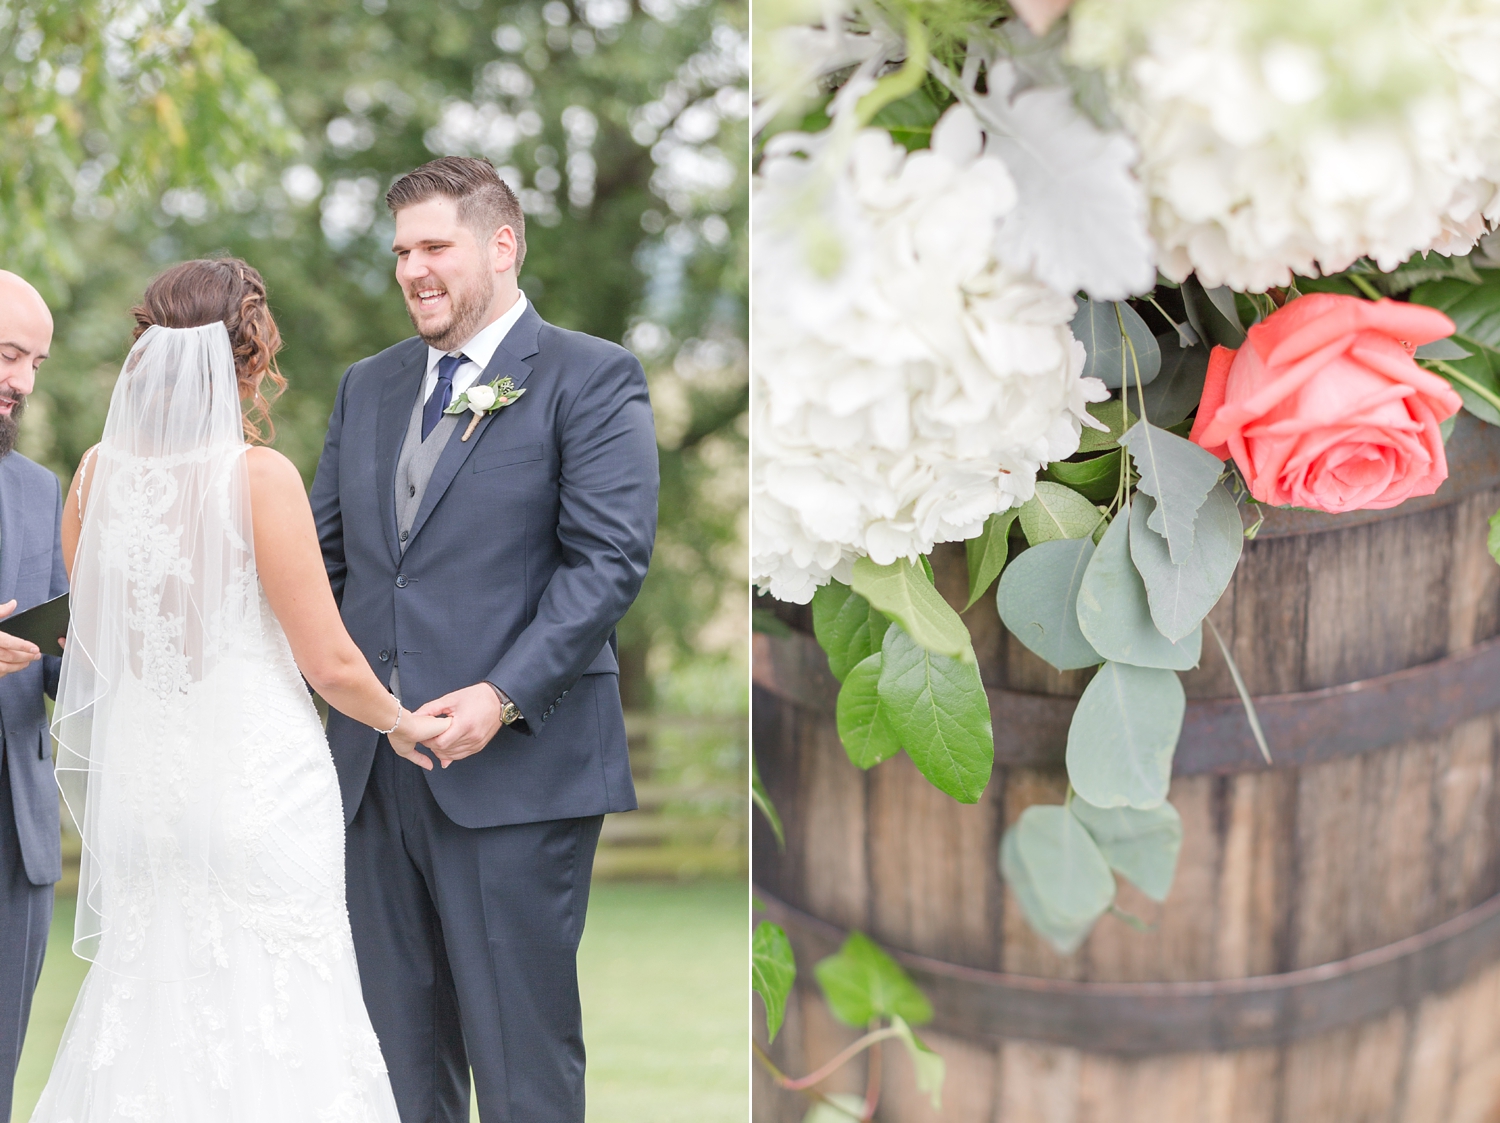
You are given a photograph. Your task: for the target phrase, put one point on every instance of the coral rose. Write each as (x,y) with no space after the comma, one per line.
(1323,406)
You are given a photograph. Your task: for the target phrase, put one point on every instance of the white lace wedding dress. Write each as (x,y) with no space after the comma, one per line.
(223,986)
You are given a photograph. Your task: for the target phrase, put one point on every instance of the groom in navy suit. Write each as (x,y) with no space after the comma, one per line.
(481,559)
(31,571)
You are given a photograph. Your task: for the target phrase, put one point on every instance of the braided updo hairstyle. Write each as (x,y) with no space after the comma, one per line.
(224,288)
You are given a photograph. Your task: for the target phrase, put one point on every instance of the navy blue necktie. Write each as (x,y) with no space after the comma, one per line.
(442,394)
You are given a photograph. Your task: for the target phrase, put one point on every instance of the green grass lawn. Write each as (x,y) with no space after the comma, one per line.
(666,1003)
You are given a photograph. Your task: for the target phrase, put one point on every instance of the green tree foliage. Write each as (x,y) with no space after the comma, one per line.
(621,124)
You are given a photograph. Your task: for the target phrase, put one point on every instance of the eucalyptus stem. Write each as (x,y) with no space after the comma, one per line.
(1364,286)
(907,80)
(1459,376)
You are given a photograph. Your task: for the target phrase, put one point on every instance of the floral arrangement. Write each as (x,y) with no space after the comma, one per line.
(1082,286)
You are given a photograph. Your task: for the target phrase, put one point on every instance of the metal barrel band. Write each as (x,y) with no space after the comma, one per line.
(1151,1019)
(1305,728)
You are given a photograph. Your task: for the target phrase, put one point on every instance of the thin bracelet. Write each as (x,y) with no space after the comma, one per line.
(392,729)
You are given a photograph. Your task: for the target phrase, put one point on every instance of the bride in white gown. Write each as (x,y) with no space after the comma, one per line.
(223,984)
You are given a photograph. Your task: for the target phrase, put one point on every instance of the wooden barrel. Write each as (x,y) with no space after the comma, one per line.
(1330,951)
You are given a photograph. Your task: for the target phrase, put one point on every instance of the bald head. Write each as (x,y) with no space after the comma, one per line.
(25,339)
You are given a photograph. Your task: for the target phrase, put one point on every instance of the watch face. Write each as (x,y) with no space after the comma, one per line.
(509,713)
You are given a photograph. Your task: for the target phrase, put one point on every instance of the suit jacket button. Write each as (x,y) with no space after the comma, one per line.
(400,580)
(385,656)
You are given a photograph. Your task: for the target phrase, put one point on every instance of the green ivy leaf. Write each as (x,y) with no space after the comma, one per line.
(762,799)
(1096,479)
(1494,542)
(931,1069)
(1123,735)
(1182,595)
(1060,880)
(863,983)
(1038,601)
(1114,613)
(1056,512)
(839,1107)
(938,708)
(909,120)
(1141,846)
(847,627)
(773,969)
(904,594)
(863,727)
(987,553)
(1118,420)
(1178,475)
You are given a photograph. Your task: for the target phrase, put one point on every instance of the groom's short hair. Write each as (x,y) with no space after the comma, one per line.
(485,201)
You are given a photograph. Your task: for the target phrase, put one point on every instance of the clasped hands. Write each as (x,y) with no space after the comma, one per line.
(451,727)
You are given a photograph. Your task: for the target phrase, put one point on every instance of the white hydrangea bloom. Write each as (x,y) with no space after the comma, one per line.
(905,384)
(1282,136)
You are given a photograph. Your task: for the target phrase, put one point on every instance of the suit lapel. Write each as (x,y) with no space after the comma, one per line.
(519,344)
(11,534)
(397,399)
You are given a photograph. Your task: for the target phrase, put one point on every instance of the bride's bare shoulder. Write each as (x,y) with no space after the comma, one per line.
(270,469)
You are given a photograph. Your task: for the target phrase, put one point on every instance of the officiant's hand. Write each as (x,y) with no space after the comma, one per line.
(417,729)
(15,654)
(476,719)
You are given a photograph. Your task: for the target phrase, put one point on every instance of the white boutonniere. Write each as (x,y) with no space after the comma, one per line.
(481,400)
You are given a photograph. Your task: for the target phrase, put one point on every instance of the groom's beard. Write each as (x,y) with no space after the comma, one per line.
(10,423)
(469,308)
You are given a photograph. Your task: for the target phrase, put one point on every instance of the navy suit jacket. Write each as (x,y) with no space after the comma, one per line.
(531,542)
(31,571)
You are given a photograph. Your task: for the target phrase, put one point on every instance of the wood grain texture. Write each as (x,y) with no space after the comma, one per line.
(1280,870)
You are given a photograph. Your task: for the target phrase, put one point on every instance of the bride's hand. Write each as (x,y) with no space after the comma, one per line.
(413,731)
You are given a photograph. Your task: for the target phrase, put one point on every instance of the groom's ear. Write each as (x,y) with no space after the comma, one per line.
(503,249)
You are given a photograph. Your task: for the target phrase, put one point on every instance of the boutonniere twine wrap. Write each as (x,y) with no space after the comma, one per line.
(483,399)
(1089,293)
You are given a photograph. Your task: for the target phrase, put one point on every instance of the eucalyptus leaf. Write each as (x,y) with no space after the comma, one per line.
(1096,479)
(1097,326)
(1059,877)
(931,1069)
(1147,352)
(1180,596)
(863,727)
(773,970)
(1474,309)
(862,983)
(1038,601)
(986,554)
(941,716)
(1212,324)
(1179,387)
(762,799)
(1141,846)
(1116,419)
(1123,735)
(1055,511)
(1178,475)
(904,594)
(1222,298)
(1114,613)
(1441,349)
(848,628)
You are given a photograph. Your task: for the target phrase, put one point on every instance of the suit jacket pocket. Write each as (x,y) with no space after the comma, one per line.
(488,459)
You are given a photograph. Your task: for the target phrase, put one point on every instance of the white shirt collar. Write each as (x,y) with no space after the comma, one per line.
(479,350)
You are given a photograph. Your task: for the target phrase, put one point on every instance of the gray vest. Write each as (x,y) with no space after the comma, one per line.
(413,472)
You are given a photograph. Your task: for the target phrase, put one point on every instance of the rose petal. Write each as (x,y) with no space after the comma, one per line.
(1220,359)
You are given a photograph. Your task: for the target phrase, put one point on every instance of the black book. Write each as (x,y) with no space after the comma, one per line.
(43,625)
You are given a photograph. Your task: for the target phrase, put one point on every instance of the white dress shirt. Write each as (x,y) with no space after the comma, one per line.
(478,352)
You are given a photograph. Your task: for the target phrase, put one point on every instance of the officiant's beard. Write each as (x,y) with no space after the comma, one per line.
(10,423)
(469,308)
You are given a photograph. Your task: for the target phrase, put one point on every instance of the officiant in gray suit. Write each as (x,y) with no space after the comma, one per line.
(486,502)
(31,571)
